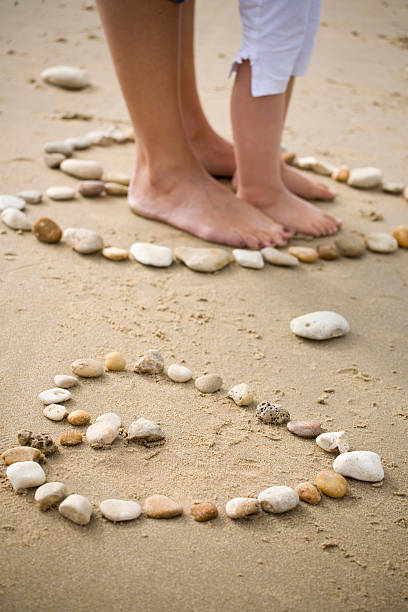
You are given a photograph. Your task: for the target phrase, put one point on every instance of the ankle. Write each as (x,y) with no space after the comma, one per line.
(261,194)
(162,173)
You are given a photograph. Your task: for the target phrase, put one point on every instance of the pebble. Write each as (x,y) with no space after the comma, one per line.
(16,219)
(151,363)
(82,168)
(62,148)
(241,507)
(116,510)
(87,368)
(305,254)
(64,381)
(115,189)
(331,441)
(115,253)
(112,176)
(54,396)
(25,474)
(83,240)
(110,417)
(308,493)
(55,412)
(393,188)
(323,168)
(305,429)
(405,193)
(350,245)
(67,77)
(289,157)
(161,506)
(241,394)
(70,438)
(331,484)
(77,509)
(203,511)
(144,430)
(43,442)
(361,465)
(10,201)
(151,254)
(79,143)
(31,196)
(278,258)
(320,325)
(179,373)
(365,178)
(379,242)
(60,193)
(102,433)
(209,383)
(341,174)
(401,236)
(270,413)
(278,499)
(53,160)
(101,138)
(22,453)
(46,230)
(248,259)
(203,260)
(91,189)
(79,417)
(115,362)
(305,163)
(328,252)
(49,494)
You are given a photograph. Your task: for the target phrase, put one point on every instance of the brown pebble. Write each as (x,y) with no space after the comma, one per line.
(116,189)
(341,174)
(326,251)
(401,236)
(46,230)
(53,160)
(308,493)
(305,254)
(305,429)
(204,511)
(22,453)
(70,438)
(78,417)
(91,189)
(289,157)
(331,483)
(161,506)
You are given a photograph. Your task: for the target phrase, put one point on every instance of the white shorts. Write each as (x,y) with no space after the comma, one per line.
(278,37)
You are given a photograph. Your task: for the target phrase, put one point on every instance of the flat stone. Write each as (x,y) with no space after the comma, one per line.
(77,509)
(305,163)
(110,417)
(209,383)
(361,465)
(16,219)
(350,245)
(401,236)
(91,189)
(54,396)
(31,196)
(67,77)
(43,442)
(203,260)
(341,174)
(82,168)
(305,254)
(79,417)
(70,438)
(115,189)
(204,511)
(179,373)
(322,167)
(305,429)
(248,259)
(22,453)
(64,381)
(49,494)
(320,325)
(144,430)
(55,412)
(53,160)
(272,414)
(278,499)
(393,188)
(151,363)
(151,254)
(241,394)
(101,138)
(331,441)
(289,157)
(79,143)
(308,493)
(25,474)
(60,193)
(365,178)
(331,484)
(62,148)
(113,176)
(241,507)
(46,230)
(115,253)
(380,242)
(161,507)
(328,252)
(87,368)
(10,201)
(102,433)
(83,240)
(278,258)
(115,362)
(117,510)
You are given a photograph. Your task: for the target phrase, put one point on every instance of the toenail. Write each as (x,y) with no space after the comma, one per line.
(339,220)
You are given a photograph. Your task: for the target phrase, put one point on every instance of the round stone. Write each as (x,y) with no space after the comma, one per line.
(179,373)
(31,196)
(278,258)
(161,507)
(328,252)
(87,368)
(64,381)
(350,245)
(341,174)
(91,189)
(46,230)
(70,438)
(241,507)
(102,433)
(305,429)
(379,242)
(203,511)
(25,474)
(16,219)
(115,253)
(305,254)
(49,494)
(61,193)
(110,417)
(53,160)
(331,484)
(209,383)
(401,236)
(82,168)
(55,412)
(241,394)
(78,417)
(278,499)
(22,453)
(10,201)
(115,362)
(308,493)
(77,509)
(361,465)
(54,396)
(59,148)
(83,240)
(151,254)
(320,325)
(272,414)
(204,259)
(144,430)
(116,510)
(67,77)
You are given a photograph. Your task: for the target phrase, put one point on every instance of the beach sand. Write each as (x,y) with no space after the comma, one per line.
(57,306)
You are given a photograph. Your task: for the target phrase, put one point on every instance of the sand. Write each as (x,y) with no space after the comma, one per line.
(57,306)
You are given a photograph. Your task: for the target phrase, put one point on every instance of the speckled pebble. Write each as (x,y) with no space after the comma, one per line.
(203,511)
(209,383)
(320,325)
(271,413)
(331,484)
(79,417)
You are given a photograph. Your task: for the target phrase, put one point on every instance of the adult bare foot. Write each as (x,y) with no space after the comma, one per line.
(303,186)
(214,152)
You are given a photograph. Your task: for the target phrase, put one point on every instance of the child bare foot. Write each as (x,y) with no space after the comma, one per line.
(303,186)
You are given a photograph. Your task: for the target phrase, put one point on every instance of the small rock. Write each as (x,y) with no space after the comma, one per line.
(305,163)
(241,395)
(65,381)
(67,77)
(151,254)
(116,510)
(144,430)
(60,193)
(16,219)
(77,509)
(49,494)
(365,178)
(91,189)
(112,176)
(241,507)
(115,253)
(179,373)
(333,440)
(82,168)
(55,412)
(115,189)
(101,138)
(101,434)
(151,363)
(53,160)
(10,201)
(320,325)
(361,465)
(22,453)
(288,157)
(161,507)
(331,484)
(46,230)
(110,417)
(380,242)
(79,417)
(87,368)
(328,252)
(70,438)
(305,429)
(350,245)
(31,196)
(305,254)
(79,143)
(248,259)
(54,396)
(25,474)
(43,442)
(62,148)
(115,362)
(405,193)
(308,493)
(401,236)
(277,258)
(209,383)
(393,188)
(83,240)
(278,499)
(323,168)
(341,174)
(270,413)
(203,260)
(203,511)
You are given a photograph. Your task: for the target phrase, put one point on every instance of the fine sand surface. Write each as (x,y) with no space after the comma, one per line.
(57,306)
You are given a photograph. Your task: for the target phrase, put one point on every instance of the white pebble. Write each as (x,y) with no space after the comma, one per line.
(31,196)
(333,440)
(278,258)
(110,417)
(87,368)
(25,474)
(361,465)
(320,325)
(54,396)
(64,381)
(380,242)
(278,499)
(248,259)
(241,394)
(16,219)
(68,77)
(145,430)
(101,137)
(49,494)
(365,178)
(10,201)
(63,148)
(204,259)
(322,167)
(151,254)
(62,192)
(82,168)
(240,507)
(394,188)
(76,508)
(55,412)
(102,433)
(120,510)
(83,240)
(305,163)
(79,143)
(179,373)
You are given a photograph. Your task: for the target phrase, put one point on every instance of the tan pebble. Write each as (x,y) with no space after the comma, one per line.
(289,157)
(87,368)
(308,493)
(405,193)
(116,189)
(204,511)
(350,245)
(241,394)
(115,362)
(209,383)
(341,174)
(305,254)
(91,189)
(326,251)
(46,230)
(241,507)
(22,453)
(112,176)
(331,483)
(53,160)
(161,506)
(305,429)
(78,417)
(71,438)
(401,236)
(115,253)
